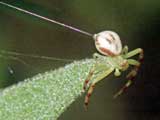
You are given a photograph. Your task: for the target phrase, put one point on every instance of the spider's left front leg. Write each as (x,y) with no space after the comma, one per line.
(131,75)
(136,64)
(88,78)
(98,77)
(91,72)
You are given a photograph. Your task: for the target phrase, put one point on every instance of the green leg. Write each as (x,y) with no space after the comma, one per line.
(89,77)
(137,64)
(130,76)
(125,50)
(96,80)
(134,71)
(91,72)
(135,52)
(129,82)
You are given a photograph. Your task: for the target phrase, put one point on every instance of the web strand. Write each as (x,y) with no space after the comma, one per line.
(34,56)
(47,19)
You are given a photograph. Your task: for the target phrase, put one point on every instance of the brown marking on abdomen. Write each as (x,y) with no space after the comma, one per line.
(112,36)
(110,41)
(107,51)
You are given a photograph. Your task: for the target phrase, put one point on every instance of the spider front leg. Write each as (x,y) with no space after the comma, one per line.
(98,77)
(88,78)
(131,75)
(136,64)
(135,52)
(95,56)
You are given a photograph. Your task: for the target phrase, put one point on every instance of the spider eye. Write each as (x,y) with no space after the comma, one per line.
(108,43)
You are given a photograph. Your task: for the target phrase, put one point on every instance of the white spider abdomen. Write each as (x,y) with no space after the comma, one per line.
(108,43)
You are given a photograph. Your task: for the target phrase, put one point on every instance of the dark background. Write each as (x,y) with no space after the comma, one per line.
(137,22)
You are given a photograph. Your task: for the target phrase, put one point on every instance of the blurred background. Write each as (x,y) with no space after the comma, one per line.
(137,22)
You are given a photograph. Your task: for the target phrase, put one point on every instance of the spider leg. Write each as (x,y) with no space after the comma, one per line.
(88,78)
(125,50)
(135,52)
(129,82)
(131,75)
(95,56)
(137,64)
(92,85)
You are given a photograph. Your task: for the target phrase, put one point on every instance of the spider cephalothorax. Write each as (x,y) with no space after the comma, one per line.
(114,59)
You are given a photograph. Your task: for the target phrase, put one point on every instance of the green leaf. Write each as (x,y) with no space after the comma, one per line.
(45,96)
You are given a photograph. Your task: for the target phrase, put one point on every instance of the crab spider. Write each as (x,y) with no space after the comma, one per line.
(114,59)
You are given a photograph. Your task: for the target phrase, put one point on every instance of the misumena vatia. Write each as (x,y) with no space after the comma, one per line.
(114,59)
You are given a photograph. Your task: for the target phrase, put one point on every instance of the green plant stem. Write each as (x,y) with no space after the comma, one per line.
(45,96)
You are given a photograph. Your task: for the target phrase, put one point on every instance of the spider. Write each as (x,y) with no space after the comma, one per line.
(113,59)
